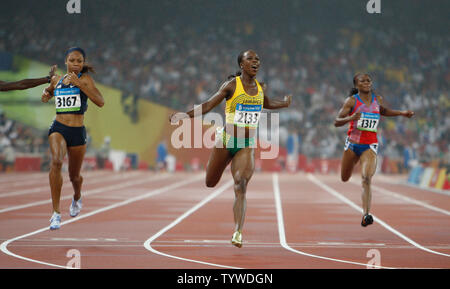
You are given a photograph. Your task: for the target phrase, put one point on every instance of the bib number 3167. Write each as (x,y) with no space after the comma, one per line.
(67,99)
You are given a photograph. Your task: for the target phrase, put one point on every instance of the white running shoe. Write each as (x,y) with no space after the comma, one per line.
(55,221)
(75,207)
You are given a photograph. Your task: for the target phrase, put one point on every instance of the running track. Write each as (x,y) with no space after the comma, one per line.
(152,220)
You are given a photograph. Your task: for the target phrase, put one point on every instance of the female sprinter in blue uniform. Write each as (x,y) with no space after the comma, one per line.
(362,109)
(245,98)
(67,133)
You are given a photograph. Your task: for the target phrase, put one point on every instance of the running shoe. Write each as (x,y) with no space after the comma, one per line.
(236,240)
(55,221)
(75,207)
(366,220)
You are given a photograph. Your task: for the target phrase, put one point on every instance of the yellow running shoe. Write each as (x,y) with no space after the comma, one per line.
(236,240)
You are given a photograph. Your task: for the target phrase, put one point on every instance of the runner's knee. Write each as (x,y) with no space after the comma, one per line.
(345,178)
(56,163)
(75,178)
(240,186)
(210,182)
(366,180)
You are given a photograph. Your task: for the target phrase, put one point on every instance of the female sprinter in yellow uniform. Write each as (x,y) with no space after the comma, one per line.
(245,99)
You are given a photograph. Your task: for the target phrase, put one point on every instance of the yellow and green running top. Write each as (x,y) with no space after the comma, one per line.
(242,109)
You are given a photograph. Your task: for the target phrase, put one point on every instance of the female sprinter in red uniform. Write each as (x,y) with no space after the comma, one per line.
(245,98)
(67,133)
(363,109)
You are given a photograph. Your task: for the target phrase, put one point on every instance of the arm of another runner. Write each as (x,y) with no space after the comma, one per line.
(27,83)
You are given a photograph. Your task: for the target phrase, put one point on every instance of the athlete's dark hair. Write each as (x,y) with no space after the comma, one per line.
(239,60)
(354,90)
(86,67)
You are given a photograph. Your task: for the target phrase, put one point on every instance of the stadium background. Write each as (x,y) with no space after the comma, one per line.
(155,57)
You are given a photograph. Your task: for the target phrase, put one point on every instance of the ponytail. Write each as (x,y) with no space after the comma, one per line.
(239,60)
(231,76)
(353,91)
(87,68)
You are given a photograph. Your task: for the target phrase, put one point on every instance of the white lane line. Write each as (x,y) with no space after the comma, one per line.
(406,183)
(282,233)
(46,187)
(407,199)
(42,178)
(139,181)
(148,242)
(382,223)
(4,245)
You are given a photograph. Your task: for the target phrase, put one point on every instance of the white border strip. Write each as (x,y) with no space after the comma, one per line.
(148,242)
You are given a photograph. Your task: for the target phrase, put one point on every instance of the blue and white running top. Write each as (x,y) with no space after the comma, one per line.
(69,98)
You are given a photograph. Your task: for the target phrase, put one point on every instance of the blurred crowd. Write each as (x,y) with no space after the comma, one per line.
(179,63)
(17,138)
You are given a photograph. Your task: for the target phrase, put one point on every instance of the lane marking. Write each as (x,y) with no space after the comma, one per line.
(405,183)
(376,219)
(44,187)
(85,239)
(43,179)
(4,245)
(148,242)
(282,233)
(137,181)
(407,199)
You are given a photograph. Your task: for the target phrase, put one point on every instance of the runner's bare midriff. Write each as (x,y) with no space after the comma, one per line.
(71,119)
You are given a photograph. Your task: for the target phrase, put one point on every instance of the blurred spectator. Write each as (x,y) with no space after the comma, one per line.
(161,155)
(293,146)
(8,158)
(310,53)
(103,152)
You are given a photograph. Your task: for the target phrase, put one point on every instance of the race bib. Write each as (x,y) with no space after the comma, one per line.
(368,121)
(247,114)
(67,99)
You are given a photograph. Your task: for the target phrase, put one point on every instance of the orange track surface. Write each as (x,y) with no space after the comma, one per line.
(147,220)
